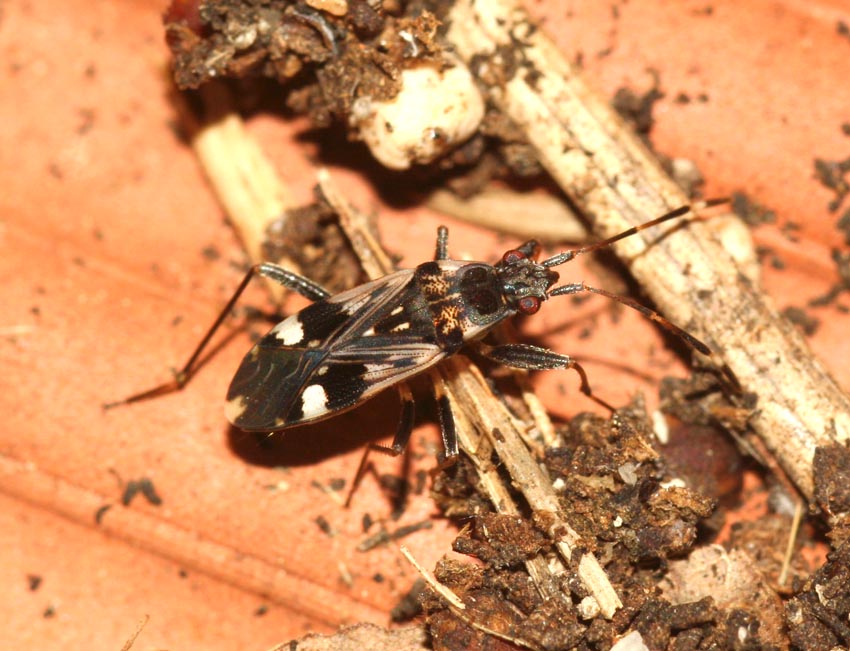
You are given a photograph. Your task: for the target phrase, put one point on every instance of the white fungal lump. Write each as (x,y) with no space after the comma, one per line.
(435,111)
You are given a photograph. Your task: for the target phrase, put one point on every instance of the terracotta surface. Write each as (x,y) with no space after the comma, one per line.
(104,285)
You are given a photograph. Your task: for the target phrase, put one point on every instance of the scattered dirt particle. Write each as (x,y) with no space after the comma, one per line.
(636,109)
(409,605)
(831,468)
(817,616)
(311,237)
(832,175)
(842,264)
(843,225)
(144,486)
(210,252)
(802,319)
(751,212)
(337,484)
(325,526)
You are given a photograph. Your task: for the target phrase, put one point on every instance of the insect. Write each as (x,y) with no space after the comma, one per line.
(345,348)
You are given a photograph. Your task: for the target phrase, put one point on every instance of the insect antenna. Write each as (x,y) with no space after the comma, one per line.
(566,256)
(576,288)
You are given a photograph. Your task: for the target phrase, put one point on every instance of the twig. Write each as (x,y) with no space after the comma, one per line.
(611,176)
(485,418)
(16,330)
(436,586)
(792,539)
(242,177)
(373,258)
(458,607)
(537,411)
(132,639)
(507,211)
(383,536)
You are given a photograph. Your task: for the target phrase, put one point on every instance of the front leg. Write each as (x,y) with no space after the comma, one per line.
(289,279)
(535,358)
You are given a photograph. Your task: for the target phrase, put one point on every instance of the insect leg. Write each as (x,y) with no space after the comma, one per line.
(293,281)
(402,436)
(444,409)
(534,358)
(447,422)
(442,243)
(289,279)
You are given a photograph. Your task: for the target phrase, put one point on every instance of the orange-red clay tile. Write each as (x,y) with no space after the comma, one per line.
(103,218)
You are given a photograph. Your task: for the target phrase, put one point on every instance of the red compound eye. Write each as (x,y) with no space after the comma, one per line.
(528,304)
(512,256)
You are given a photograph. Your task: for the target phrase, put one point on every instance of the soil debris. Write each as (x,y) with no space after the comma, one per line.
(630,510)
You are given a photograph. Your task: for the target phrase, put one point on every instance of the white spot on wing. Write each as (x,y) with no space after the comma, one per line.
(314,401)
(233,409)
(290,331)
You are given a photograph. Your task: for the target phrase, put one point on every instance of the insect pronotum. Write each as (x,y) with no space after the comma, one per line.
(344,348)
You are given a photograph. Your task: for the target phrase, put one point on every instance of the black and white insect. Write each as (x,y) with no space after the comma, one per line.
(345,348)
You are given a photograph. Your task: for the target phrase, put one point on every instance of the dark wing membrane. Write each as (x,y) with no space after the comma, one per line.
(361,370)
(266,386)
(337,318)
(330,356)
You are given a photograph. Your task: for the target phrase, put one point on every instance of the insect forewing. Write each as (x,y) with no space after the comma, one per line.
(333,354)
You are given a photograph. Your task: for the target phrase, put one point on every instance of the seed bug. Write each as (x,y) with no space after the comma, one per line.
(345,348)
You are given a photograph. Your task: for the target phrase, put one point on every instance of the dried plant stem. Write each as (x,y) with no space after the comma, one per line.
(611,176)
(436,586)
(485,422)
(792,540)
(458,607)
(507,211)
(243,179)
(374,260)
(132,639)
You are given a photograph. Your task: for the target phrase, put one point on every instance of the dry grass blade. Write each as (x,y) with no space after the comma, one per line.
(439,588)
(504,210)
(244,180)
